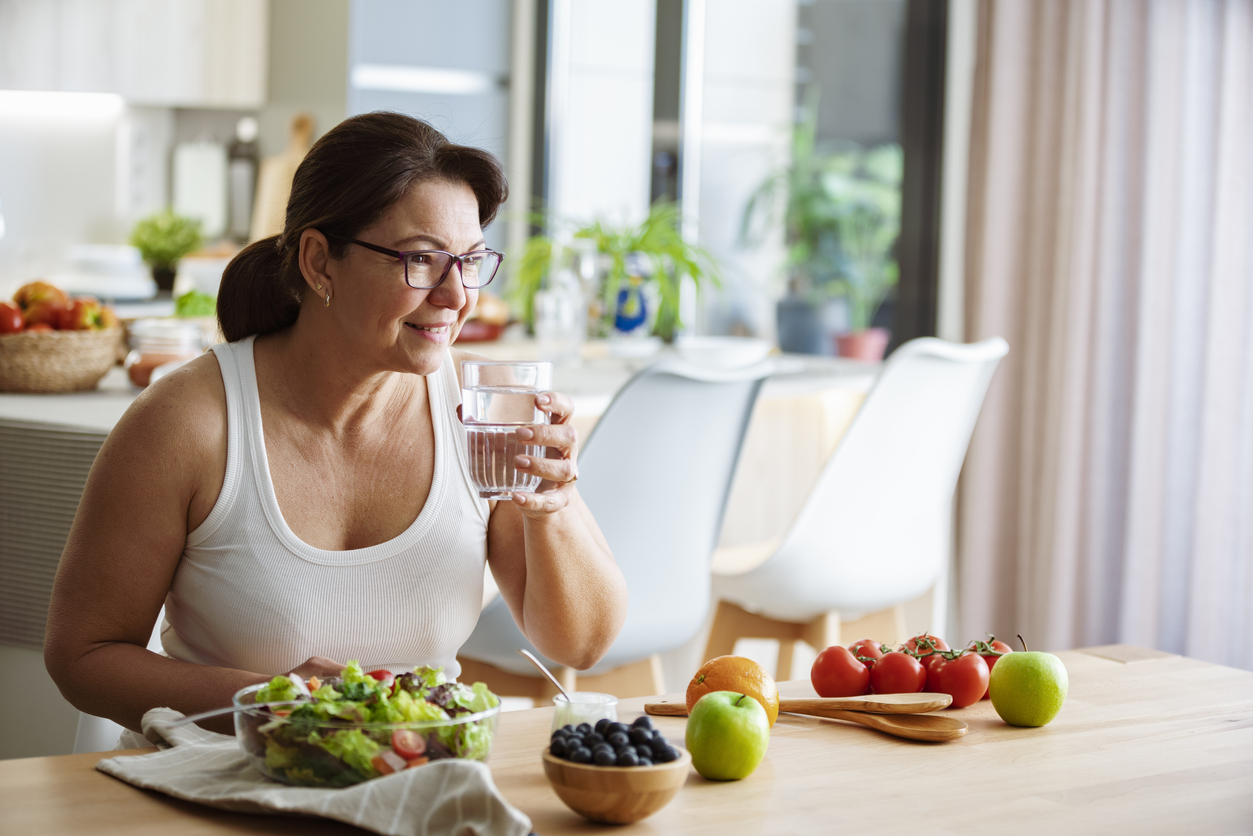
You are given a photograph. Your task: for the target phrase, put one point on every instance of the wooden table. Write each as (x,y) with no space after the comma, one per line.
(1146,743)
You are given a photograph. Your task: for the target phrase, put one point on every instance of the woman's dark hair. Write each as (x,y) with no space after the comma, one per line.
(349,179)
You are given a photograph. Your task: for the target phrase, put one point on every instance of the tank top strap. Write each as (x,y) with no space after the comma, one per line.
(445,389)
(234,382)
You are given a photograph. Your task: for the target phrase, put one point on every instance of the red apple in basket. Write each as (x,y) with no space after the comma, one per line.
(41,303)
(10,318)
(82,314)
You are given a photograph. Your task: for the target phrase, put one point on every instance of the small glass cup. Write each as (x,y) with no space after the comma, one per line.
(583,707)
(497,400)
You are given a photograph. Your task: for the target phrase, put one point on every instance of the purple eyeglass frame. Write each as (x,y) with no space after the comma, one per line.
(403,257)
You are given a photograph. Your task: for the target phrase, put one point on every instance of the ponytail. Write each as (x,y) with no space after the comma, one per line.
(257,295)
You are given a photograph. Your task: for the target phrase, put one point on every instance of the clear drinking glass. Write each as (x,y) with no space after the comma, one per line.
(583,707)
(497,400)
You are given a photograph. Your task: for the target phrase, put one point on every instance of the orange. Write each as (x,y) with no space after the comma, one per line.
(738,674)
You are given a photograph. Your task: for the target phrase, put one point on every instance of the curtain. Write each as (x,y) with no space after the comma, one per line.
(1108,492)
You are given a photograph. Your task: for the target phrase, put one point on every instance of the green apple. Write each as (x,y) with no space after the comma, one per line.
(1028,688)
(727,735)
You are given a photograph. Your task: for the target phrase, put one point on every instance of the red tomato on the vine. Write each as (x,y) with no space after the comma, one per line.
(965,679)
(925,647)
(838,673)
(868,649)
(897,673)
(984,648)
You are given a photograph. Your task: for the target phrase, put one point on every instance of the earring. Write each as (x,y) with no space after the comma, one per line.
(328,299)
(319,285)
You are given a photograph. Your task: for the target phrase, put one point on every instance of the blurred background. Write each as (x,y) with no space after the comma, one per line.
(112,110)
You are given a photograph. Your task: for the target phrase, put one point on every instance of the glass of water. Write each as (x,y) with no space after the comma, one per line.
(497,400)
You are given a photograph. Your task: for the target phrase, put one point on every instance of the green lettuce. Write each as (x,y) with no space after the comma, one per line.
(351,746)
(278,689)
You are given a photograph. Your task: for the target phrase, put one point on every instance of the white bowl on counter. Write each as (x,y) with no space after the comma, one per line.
(723,352)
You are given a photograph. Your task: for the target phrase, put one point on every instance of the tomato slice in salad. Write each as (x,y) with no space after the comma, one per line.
(382,677)
(408,743)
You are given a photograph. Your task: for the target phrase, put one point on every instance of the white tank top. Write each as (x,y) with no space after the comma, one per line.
(249,594)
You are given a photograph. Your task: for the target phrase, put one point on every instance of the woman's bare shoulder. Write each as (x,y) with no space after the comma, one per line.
(182,413)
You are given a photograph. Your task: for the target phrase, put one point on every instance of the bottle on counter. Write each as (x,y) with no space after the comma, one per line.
(242,179)
(159,346)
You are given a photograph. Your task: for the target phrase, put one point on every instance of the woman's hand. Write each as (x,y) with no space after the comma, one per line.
(318,666)
(559,467)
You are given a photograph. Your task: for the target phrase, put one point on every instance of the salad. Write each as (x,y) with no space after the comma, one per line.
(357,726)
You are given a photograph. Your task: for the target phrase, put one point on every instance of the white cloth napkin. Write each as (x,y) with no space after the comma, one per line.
(445,797)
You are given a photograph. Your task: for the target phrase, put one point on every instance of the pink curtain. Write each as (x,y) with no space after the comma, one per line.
(1108,492)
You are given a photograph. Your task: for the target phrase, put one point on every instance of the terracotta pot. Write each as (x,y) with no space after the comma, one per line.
(867,345)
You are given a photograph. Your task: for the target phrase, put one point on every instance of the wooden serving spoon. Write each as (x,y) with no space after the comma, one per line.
(870,703)
(926,727)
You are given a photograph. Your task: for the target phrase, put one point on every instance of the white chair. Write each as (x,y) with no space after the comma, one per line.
(874,531)
(656,473)
(96,734)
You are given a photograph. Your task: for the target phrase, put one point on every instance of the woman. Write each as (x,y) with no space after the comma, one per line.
(299,497)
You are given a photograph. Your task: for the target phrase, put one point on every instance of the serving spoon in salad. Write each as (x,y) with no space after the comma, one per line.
(231,709)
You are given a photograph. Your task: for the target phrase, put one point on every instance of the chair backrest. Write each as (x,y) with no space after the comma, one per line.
(655,472)
(874,531)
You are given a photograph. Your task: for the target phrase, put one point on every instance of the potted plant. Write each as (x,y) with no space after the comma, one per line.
(841,217)
(162,240)
(653,253)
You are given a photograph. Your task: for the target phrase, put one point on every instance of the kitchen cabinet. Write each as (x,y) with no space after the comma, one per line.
(166,53)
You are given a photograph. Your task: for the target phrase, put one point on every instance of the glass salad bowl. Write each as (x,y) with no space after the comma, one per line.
(348,729)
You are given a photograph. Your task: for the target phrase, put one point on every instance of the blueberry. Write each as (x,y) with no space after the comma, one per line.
(604,757)
(642,721)
(583,728)
(640,736)
(618,739)
(658,744)
(614,728)
(574,741)
(646,761)
(559,733)
(667,755)
(644,751)
(594,738)
(628,759)
(559,748)
(601,723)
(602,747)
(581,755)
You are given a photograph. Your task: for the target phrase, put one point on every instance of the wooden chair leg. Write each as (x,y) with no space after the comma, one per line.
(504,683)
(638,679)
(885,626)
(732,622)
(783,669)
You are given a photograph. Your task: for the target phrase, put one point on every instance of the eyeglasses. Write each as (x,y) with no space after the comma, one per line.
(426,269)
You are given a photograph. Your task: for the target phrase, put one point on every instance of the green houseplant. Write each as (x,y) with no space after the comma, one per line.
(162,240)
(657,240)
(841,217)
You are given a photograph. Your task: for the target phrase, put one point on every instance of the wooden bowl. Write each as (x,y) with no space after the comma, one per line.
(616,794)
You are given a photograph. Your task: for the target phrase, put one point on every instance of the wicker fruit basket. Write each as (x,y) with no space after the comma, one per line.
(57,361)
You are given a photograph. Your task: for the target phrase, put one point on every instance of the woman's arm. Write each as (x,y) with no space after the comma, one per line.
(156,478)
(549,558)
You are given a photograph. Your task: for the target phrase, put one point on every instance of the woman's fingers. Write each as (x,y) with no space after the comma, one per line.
(562,437)
(318,666)
(559,407)
(560,471)
(536,505)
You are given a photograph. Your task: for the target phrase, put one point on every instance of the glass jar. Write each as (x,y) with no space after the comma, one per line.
(161,342)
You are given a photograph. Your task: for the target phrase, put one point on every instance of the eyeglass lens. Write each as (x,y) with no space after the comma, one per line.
(425,270)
